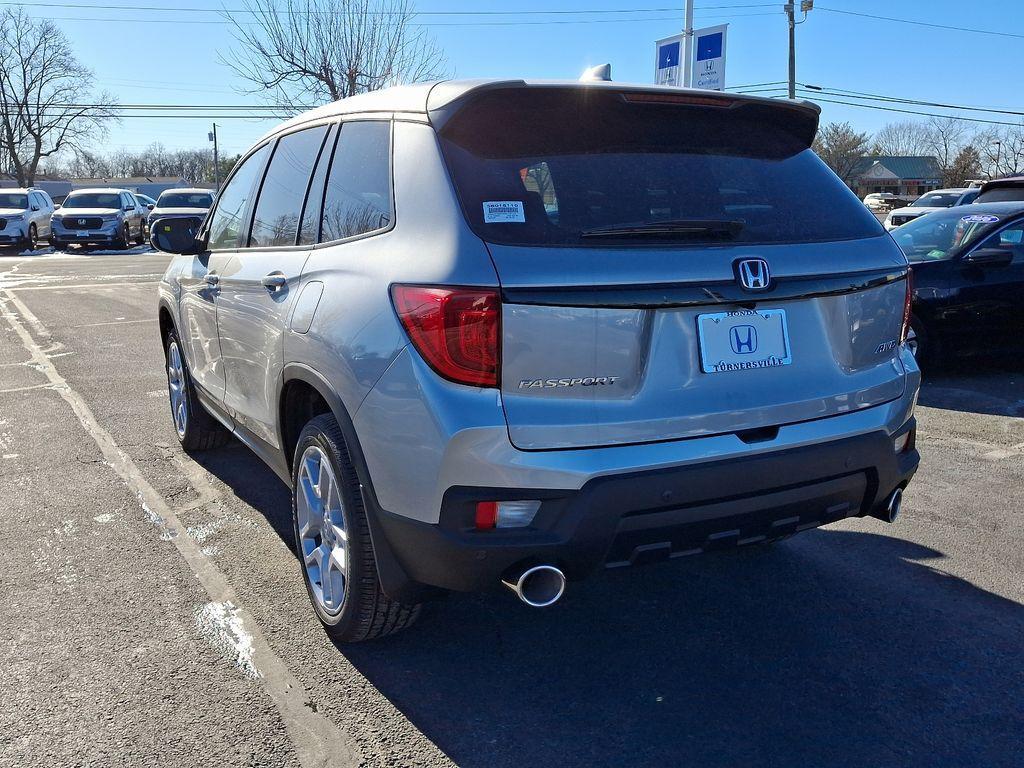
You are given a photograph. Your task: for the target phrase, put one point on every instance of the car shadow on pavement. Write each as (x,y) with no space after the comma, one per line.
(252,482)
(993,387)
(835,648)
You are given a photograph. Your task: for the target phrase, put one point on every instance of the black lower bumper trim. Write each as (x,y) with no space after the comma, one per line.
(640,517)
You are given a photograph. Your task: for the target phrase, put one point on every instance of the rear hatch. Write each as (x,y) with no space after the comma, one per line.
(672,264)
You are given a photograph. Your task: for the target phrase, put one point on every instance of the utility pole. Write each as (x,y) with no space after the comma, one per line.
(216,159)
(688,46)
(790,8)
(792,49)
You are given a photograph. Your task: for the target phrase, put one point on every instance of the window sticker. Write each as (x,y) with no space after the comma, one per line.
(980,218)
(504,212)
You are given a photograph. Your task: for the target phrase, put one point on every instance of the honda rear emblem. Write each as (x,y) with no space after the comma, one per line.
(754,274)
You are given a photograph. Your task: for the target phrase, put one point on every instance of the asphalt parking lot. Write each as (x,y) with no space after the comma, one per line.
(153,612)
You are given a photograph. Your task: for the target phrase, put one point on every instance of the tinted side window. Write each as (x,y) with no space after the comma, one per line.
(228,225)
(309,229)
(358,196)
(284,188)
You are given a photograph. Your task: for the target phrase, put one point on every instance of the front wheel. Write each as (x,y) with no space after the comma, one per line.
(33,237)
(332,537)
(196,429)
(141,237)
(123,240)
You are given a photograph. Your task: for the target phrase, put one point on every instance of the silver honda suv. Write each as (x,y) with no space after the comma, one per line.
(24,217)
(511,332)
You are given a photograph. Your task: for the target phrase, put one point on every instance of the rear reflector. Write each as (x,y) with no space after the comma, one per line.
(456,330)
(505,514)
(908,302)
(486,515)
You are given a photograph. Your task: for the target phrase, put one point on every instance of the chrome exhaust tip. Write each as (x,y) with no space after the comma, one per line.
(892,507)
(539,586)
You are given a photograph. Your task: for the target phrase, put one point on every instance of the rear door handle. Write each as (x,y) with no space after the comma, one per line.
(275,281)
(212,278)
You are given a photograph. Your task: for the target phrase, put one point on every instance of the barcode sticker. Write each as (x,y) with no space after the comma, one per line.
(504,212)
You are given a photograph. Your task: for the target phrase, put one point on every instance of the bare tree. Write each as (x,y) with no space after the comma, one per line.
(901,139)
(46,100)
(302,53)
(194,165)
(841,148)
(945,139)
(1002,150)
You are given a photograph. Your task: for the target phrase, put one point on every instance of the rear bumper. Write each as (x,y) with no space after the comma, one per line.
(645,516)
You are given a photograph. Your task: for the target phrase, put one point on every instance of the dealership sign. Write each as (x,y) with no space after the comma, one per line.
(709,58)
(668,68)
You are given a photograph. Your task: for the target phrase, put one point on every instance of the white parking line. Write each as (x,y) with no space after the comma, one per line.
(80,286)
(318,742)
(117,322)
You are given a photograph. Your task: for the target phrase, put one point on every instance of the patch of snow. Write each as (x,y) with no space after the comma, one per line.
(221,624)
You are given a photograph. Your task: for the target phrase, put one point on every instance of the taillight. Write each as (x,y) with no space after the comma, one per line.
(908,301)
(456,330)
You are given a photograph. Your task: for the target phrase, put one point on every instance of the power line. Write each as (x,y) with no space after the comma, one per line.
(912,112)
(548,12)
(414,23)
(919,23)
(879,97)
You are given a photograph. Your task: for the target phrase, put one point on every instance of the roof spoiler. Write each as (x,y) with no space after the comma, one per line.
(800,117)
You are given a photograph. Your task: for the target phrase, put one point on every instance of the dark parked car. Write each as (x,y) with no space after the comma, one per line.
(968,268)
(1010,189)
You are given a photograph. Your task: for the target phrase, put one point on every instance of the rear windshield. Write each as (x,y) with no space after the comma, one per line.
(185,200)
(937,200)
(94,200)
(571,167)
(1002,195)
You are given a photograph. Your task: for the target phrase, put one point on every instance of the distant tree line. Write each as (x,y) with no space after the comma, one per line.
(193,165)
(962,154)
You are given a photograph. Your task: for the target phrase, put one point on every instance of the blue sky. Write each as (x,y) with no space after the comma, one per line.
(162,56)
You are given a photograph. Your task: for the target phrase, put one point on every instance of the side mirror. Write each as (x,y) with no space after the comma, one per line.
(150,207)
(176,235)
(989,257)
(35,207)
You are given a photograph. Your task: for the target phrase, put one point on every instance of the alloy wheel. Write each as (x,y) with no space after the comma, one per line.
(323,538)
(176,387)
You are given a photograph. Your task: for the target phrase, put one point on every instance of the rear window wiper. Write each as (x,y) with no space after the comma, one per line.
(669,229)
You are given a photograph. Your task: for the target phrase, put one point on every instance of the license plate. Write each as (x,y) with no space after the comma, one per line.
(81,233)
(743,340)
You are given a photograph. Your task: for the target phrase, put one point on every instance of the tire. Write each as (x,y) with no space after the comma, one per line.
(141,237)
(58,245)
(196,429)
(359,610)
(33,237)
(123,242)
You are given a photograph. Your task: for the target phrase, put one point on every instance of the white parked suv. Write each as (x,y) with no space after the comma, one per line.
(24,217)
(926,203)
